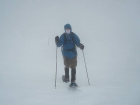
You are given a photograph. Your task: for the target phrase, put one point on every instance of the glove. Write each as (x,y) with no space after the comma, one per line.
(57,39)
(81,46)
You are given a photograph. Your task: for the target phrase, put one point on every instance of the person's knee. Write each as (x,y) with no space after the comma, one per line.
(73,66)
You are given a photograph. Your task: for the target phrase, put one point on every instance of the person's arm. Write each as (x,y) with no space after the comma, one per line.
(77,42)
(59,41)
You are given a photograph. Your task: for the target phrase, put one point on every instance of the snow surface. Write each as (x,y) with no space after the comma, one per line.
(110,31)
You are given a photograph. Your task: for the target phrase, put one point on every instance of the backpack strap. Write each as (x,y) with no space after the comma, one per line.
(72,37)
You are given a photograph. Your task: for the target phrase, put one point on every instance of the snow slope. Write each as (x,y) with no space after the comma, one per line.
(109,29)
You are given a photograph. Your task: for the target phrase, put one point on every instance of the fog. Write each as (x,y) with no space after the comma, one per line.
(109,30)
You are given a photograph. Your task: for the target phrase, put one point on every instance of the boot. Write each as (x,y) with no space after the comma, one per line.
(66,75)
(73,75)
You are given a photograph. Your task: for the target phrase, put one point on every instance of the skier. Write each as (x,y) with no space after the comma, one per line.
(68,42)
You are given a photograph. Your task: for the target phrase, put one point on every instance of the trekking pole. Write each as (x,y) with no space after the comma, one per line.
(86,67)
(48,41)
(56,68)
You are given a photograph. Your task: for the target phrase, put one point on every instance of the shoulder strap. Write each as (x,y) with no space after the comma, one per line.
(64,37)
(72,36)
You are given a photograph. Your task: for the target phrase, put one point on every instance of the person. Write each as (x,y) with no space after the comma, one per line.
(68,41)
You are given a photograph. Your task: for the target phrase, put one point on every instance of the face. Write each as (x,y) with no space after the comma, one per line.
(67,30)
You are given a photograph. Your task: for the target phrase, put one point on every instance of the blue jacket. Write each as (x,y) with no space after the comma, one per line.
(69,44)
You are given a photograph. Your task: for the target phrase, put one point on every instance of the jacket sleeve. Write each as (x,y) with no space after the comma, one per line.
(77,40)
(61,41)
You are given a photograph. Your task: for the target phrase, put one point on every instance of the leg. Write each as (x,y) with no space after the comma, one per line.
(67,74)
(66,63)
(73,64)
(73,75)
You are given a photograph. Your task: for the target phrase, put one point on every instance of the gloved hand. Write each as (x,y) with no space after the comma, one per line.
(81,46)
(57,39)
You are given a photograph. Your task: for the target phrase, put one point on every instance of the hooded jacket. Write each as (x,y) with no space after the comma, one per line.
(68,45)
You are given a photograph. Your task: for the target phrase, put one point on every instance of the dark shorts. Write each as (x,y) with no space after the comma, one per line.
(72,63)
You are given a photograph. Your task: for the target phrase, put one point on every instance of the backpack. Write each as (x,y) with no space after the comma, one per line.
(65,40)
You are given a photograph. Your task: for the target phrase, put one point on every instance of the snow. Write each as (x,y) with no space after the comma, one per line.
(109,29)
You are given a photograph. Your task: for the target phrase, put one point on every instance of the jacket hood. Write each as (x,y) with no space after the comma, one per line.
(68,26)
